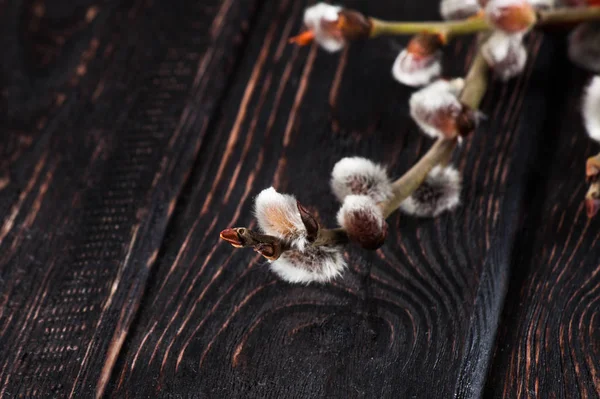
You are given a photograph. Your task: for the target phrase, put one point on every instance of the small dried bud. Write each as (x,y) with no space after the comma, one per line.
(467,121)
(458,9)
(591,109)
(421,61)
(278,215)
(505,54)
(271,251)
(510,16)
(314,264)
(584,46)
(332,26)
(438,111)
(360,176)
(363,221)
(232,237)
(439,192)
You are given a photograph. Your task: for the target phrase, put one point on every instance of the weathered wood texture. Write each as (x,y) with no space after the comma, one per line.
(549,339)
(415,319)
(134,131)
(104,107)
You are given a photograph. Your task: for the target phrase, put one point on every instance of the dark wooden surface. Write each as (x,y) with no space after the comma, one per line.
(134,131)
(549,337)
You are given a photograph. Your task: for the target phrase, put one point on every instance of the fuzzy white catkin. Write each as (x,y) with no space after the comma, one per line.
(458,9)
(356,175)
(277,215)
(440,95)
(314,17)
(358,203)
(439,192)
(314,264)
(591,109)
(363,220)
(505,53)
(412,72)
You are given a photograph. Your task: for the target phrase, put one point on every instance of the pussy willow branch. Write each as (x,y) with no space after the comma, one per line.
(439,153)
(479,23)
(447,29)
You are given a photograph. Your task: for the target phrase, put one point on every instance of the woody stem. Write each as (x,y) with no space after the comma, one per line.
(479,23)
(452,28)
(441,151)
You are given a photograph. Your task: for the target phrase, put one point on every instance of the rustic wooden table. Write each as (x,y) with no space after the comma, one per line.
(133,131)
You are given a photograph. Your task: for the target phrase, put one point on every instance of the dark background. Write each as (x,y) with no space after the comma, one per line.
(133,131)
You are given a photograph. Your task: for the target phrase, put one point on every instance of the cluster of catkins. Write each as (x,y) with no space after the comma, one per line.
(420,62)
(362,186)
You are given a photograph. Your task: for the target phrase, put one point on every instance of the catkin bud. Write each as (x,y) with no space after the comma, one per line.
(360,176)
(438,111)
(278,216)
(438,193)
(332,26)
(363,221)
(421,61)
(505,54)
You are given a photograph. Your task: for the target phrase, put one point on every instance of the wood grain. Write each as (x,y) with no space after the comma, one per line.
(548,340)
(104,108)
(414,319)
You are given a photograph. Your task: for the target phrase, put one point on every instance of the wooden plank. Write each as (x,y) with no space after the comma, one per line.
(414,319)
(105,108)
(547,345)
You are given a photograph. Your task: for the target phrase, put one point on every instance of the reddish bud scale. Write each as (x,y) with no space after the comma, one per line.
(466,121)
(512,18)
(303,39)
(310,222)
(447,121)
(269,251)
(353,25)
(424,45)
(232,237)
